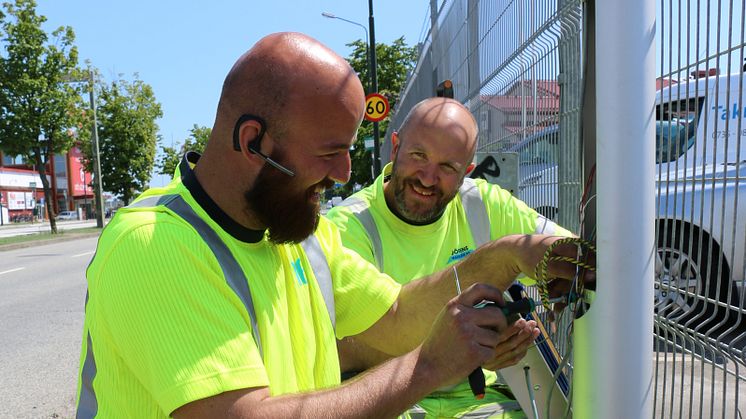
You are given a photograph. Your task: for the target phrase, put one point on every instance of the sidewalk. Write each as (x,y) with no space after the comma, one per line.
(68,228)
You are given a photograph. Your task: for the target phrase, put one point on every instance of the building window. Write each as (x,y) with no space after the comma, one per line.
(12,160)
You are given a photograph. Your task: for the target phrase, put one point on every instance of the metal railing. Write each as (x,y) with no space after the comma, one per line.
(521,67)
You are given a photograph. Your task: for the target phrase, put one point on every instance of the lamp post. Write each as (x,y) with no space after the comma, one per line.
(371,57)
(97,187)
(365,30)
(374,77)
(97,184)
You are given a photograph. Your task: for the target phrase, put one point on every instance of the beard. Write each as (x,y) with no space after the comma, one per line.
(289,212)
(418,213)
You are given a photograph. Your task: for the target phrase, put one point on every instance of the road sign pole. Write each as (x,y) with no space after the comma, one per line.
(374,79)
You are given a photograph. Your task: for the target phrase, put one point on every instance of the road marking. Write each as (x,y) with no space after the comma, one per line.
(84,254)
(11,270)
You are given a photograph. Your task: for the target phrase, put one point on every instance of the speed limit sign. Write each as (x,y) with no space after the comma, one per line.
(376,107)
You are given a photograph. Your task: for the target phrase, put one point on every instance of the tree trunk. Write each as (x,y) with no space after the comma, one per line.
(41,168)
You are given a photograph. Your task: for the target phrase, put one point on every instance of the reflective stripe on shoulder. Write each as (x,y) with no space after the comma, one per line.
(544,225)
(232,271)
(361,210)
(476,214)
(153,201)
(323,274)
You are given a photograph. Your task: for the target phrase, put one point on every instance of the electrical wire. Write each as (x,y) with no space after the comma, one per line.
(531,395)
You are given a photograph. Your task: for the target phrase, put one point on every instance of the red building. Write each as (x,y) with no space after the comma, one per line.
(500,117)
(21,189)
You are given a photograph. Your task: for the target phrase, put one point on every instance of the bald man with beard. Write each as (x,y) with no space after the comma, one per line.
(221,294)
(423,215)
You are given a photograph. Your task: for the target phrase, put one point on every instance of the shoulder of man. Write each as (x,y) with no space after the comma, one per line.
(344,213)
(142,216)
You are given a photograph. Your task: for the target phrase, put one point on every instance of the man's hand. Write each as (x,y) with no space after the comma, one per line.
(528,250)
(463,338)
(516,340)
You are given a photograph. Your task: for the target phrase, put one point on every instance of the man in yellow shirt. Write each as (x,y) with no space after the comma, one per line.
(422,215)
(221,294)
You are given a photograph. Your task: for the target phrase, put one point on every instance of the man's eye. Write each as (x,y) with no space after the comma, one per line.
(330,155)
(418,156)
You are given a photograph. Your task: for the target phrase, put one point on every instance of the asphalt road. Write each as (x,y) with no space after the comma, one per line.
(41,320)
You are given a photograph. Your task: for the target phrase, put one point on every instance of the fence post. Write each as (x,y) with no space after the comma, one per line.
(614,340)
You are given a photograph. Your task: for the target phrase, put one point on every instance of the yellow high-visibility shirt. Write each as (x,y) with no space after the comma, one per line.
(164,328)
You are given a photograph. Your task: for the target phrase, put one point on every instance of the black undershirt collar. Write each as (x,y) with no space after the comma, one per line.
(233,228)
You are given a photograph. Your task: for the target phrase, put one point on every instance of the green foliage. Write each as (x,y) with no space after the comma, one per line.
(128,134)
(40,110)
(394,63)
(171,157)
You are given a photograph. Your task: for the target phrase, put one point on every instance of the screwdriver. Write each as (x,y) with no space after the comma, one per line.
(522,306)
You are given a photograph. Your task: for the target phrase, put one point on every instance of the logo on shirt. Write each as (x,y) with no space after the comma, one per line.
(300,275)
(459,253)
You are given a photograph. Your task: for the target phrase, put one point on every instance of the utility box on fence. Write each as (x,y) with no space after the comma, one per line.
(500,168)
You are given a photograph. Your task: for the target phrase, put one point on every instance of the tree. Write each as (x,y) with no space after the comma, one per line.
(128,134)
(394,63)
(171,157)
(40,110)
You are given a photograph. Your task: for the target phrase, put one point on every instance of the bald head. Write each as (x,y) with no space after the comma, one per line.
(279,71)
(311,103)
(444,115)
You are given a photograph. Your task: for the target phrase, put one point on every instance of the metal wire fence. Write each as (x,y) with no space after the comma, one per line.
(520,67)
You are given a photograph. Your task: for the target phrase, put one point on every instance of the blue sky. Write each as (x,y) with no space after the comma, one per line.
(183,49)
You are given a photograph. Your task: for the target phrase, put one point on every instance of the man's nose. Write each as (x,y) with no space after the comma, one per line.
(341,169)
(428,176)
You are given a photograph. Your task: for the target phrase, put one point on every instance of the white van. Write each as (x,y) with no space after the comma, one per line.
(701,173)
(700,194)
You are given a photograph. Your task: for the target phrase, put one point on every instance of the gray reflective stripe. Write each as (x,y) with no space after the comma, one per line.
(232,271)
(476,214)
(320,267)
(544,225)
(87,403)
(153,201)
(361,210)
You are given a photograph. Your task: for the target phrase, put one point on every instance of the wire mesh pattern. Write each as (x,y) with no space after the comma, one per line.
(700,228)
(520,67)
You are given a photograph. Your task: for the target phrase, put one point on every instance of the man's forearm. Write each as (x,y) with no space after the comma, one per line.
(420,300)
(384,391)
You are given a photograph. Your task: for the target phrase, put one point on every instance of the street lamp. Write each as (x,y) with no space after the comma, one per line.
(97,184)
(367,44)
(371,43)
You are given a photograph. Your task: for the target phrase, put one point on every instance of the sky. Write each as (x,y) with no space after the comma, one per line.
(184,49)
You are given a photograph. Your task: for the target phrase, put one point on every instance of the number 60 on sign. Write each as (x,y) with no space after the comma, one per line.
(376,107)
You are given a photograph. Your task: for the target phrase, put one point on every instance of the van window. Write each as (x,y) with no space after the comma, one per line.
(675,128)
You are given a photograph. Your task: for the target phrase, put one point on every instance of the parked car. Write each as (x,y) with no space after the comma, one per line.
(537,170)
(700,196)
(67,215)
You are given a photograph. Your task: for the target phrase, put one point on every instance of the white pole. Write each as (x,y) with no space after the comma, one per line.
(614,341)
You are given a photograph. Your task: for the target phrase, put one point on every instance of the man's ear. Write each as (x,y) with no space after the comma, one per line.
(246,134)
(470,168)
(394,145)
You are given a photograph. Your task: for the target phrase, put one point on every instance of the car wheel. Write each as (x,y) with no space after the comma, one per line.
(686,273)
